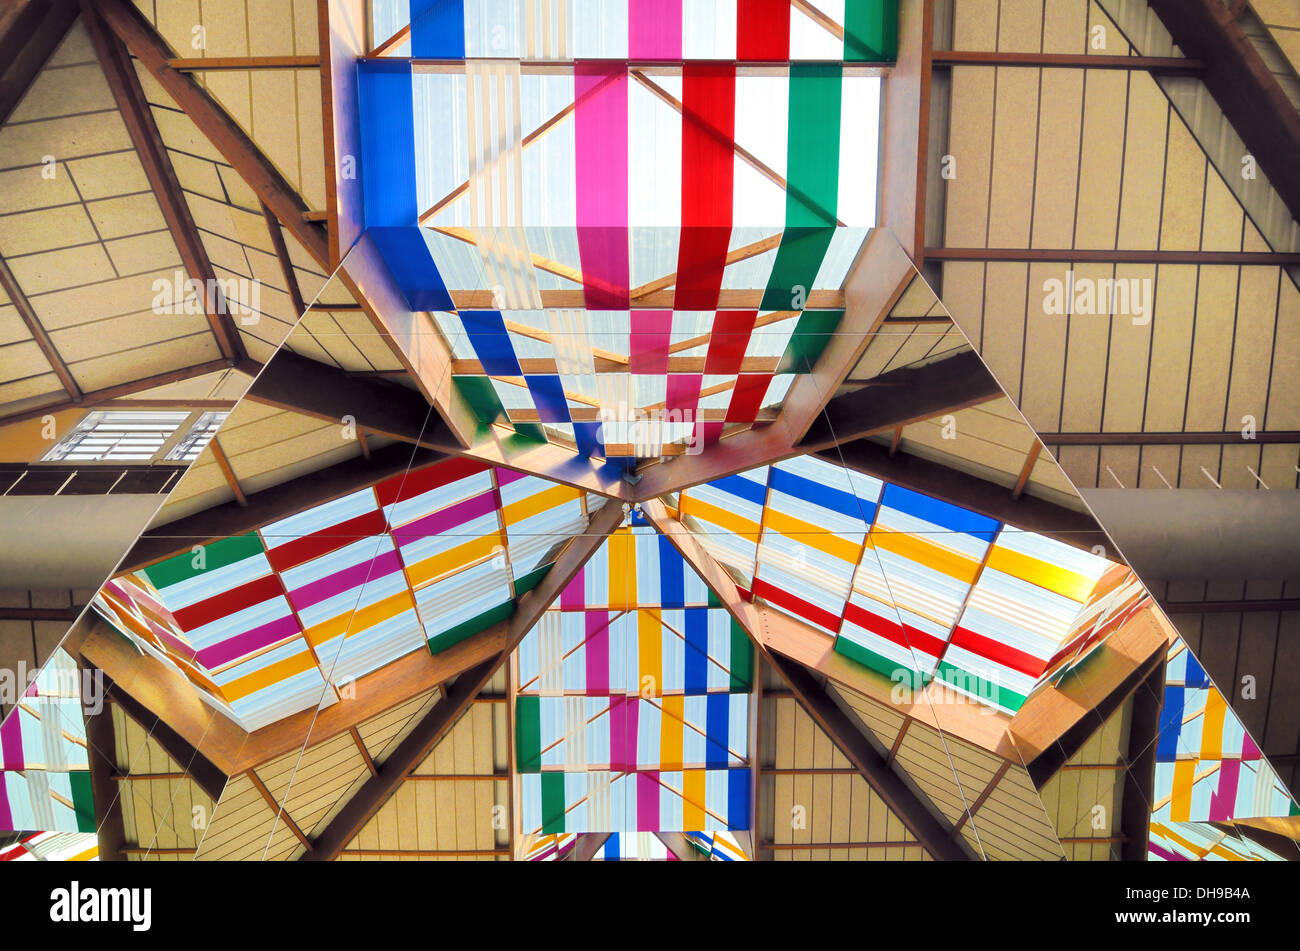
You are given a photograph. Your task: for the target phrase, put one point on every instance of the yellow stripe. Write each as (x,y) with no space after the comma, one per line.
(693,800)
(814,536)
(352,622)
(721,517)
(670,732)
(86,856)
(622,570)
(544,501)
(649,631)
(1068,583)
(280,670)
(927,553)
(1180,809)
(454,559)
(1212,726)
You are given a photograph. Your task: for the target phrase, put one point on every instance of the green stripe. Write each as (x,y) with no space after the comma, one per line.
(896,672)
(529,581)
(742,660)
(714,600)
(811,335)
(812,183)
(216,555)
(481,396)
(552,803)
(986,690)
(83,801)
(440,642)
(533,432)
(528,734)
(871,31)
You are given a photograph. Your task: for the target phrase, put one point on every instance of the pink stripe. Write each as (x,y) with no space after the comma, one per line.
(597,653)
(654,29)
(574,595)
(600,129)
(341,581)
(451,517)
(6,817)
(648,345)
(506,476)
(683,393)
(11,742)
(647,801)
(1248,748)
(235,647)
(1223,801)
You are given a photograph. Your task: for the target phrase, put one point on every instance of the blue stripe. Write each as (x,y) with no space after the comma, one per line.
(588,438)
(672,575)
(697,653)
(487,333)
(943,514)
(737,799)
(715,728)
(1195,676)
(1171,725)
(387,144)
(837,500)
(745,489)
(406,253)
(547,392)
(438,29)
(611,848)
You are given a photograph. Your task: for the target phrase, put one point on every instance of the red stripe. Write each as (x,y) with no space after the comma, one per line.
(747,397)
(228,602)
(809,612)
(729,340)
(905,636)
(763,29)
(997,652)
(302,550)
(408,486)
(708,163)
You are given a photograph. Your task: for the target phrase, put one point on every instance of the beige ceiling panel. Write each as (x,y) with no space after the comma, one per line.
(1171,330)
(1060,115)
(1014,137)
(1207,390)
(12,328)
(1048,474)
(204,476)
(1004,309)
(177,21)
(145,252)
(231,89)
(306,446)
(127,215)
(275,97)
(23,189)
(1279,466)
(67,138)
(311,138)
(106,371)
(1283,406)
(250,228)
(1045,337)
(29,386)
(178,131)
(1119,466)
(223,252)
(75,48)
(1194,465)
(1129,346)
(197,175)
(21,360)
(1252,343)
(306,35)
(1085,370)
(238,190)
(44,230)
(64,91)
(1221,229)
(271,28)
(266,268)
(373,346)
(103,176)
(1114,43)
(969,141)
(975,25)
(1237,462)
(116,334)
(1144,163)
(1159,464)
(306,345)
(1020,25)
(916,301)
(211,216)
(1185,168)
(1065,26)
(219,385)
(56,270)
(963,296)
(303,466)
(1102,160)
(126,295)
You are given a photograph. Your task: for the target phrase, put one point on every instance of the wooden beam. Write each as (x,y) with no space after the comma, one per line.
(1073,526)
(735,298)
(274,503)
(42,614)
(1231,438)
(1240,82)
(408,754)
(99,397)
(101,750)
(222,131)
(341,30)
(905,121)
(1164,65)
(1118,256)
(34,326)
(211,63)
(32,30)
(902,397)
(1140,776)
(588,845)
(1230,607)
(1031,458)
(281,813)
(223,463)
(202,770)
(286,264)
(137,115)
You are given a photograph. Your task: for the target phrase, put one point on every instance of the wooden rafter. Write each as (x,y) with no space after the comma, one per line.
(207,775)
(221,130)
(1166,65)
(1118,256)
(1230,438)
(101,751)
(286,263)
(1031,459)
(138,118)
(227,472)
(1140,766)
(29,32)
(37,330)
(408,754)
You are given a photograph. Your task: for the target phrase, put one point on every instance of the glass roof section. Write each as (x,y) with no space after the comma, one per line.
(628,250)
